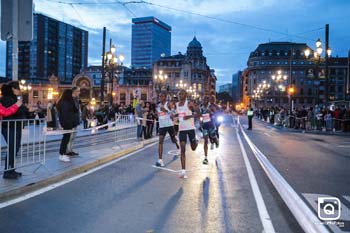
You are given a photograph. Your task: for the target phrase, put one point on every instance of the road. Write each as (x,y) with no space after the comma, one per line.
(132,196)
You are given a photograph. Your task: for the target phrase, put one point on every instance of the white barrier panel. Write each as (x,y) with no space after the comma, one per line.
(23,143)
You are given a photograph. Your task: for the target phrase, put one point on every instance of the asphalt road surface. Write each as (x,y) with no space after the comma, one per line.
(132,196)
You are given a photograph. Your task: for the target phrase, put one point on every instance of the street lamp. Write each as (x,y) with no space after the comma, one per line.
(25,88)
(113,62)
(181,85)
(159,80)
(317,60)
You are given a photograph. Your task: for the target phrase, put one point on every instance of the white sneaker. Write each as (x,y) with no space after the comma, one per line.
(64,158)
(160,163)
(212,146)
(183,174)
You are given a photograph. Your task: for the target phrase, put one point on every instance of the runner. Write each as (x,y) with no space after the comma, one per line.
(207,127)
(214,114)
(175,118)
(184,111)
(165,125)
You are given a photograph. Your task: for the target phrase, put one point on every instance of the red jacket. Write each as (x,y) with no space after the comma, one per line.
(4,112)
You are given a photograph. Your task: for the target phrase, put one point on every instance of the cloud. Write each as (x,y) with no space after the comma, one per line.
(112,16)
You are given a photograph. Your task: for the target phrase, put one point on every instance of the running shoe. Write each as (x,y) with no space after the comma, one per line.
(160,163)
(212,146)
(183,175)
(64,158)
(205,161)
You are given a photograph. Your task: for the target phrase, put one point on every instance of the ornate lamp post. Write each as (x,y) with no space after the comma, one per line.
(113,62)
(317,60)
(159,81)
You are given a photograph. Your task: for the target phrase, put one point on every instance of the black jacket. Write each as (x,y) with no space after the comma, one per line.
(68,113)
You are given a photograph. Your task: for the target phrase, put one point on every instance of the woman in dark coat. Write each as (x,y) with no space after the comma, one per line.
(68,114)
(12,131)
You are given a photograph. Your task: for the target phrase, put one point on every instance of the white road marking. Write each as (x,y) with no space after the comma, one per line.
(303,214)
(267,134)
(344,146)
(264,215)
(165,169)
(58,184)
(173,152)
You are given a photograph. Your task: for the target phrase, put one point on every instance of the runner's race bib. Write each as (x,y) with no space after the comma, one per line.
(206,117)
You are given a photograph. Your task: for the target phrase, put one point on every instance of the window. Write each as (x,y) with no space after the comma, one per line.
(35,94)
(309,91)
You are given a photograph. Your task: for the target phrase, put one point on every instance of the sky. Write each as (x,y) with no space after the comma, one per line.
(227,29)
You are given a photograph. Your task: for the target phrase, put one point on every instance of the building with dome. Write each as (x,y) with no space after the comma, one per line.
(187,71)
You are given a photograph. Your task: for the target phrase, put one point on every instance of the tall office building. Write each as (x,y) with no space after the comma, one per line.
(57,48)
(150,39)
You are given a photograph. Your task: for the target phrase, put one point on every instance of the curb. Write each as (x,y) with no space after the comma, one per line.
(28,188)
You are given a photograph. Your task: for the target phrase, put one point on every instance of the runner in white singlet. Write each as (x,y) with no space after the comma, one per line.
(184,111)
(165,125)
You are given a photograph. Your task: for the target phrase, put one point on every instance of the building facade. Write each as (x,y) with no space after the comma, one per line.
(57,49)
(226,88)
(151,39)
(185,71)
(306,76)
(236,87)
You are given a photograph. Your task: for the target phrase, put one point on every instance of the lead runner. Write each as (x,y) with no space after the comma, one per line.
(165,125)
(185,111)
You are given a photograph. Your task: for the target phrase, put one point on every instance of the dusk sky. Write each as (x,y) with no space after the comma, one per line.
(227,29)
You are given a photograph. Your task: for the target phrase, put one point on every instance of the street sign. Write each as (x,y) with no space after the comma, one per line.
(24,19)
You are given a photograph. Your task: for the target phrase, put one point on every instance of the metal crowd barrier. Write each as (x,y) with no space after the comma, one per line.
(315,123)
(23,142)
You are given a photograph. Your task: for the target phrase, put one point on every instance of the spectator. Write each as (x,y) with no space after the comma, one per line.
(12,131)
(139,114)
(51,115)
(84,116)
(328,120)
(68,109)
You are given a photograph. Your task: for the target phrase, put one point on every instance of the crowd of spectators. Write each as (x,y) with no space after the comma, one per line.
(308,118)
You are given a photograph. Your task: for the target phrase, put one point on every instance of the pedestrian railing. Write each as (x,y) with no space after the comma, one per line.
(23,143)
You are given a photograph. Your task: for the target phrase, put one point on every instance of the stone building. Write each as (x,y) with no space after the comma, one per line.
(185,71)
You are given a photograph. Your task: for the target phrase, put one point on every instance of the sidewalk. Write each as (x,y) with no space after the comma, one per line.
(292,130)
(38,176)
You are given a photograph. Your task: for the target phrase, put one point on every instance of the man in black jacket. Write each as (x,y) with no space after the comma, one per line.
(12,131)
